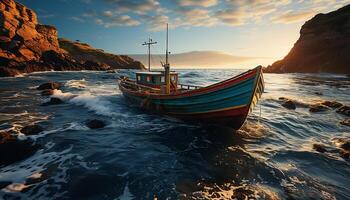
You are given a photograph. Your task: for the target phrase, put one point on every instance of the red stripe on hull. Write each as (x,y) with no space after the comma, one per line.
(232,118)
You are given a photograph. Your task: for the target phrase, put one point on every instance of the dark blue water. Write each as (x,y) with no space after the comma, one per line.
(143,156)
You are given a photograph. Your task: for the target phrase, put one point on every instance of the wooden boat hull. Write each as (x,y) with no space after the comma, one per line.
(226,103)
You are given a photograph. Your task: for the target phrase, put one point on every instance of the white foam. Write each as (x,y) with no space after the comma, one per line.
(76,83)
(94,103)
(64,96)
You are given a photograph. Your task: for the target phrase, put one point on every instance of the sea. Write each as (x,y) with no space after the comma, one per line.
(141,155)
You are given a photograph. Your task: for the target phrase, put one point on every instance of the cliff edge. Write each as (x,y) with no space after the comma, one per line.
(27,46)
(323,46)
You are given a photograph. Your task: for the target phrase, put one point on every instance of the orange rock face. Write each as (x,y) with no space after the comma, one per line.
(22,36)
(323,46)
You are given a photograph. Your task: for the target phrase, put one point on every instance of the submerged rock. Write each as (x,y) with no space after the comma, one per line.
(320,148)
(49,86)
(345,145)
(345,110)
(47,92)
(3,184)
(318,108)
(32,129)
(111,72)
(289,104)
(345,155)
(346,122)
(332,104)
(53,101)
(95,124)
(13,149)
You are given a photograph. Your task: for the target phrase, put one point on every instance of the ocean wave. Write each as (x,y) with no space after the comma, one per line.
(78,84)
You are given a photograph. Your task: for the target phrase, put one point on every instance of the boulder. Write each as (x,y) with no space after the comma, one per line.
(5,72)
(332,104)
(289,105)
(95,124)
(13,150)
(345,145)
(345,155)
(318,108)
(3,184)
(31,129)
(111,72)
(345,110)
(53,101)
(49,86)
(319,147)
(346,122)
(47,92)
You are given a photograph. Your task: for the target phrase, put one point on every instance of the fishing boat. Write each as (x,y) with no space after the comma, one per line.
(226,103)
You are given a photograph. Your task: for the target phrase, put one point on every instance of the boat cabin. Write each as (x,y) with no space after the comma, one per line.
(155,78)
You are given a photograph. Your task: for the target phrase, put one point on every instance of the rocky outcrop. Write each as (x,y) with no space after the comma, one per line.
(13,149)
(95,124)
(22,38)
(27,46)
(83,52)
(323,46)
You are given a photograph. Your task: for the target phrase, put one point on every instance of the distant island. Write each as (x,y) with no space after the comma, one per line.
(204,59)
(323,46)
(27,46)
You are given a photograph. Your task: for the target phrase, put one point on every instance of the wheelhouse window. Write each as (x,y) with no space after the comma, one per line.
(148,78)
(162,79)
(138,78)
(173,78)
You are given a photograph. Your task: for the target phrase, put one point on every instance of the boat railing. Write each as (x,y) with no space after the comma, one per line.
(131,84)
(188,87)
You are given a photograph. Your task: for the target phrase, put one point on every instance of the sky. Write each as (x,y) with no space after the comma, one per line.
(264,30)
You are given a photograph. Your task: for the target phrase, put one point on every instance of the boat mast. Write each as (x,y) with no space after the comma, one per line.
(167,51)
(149,43)
(167,65)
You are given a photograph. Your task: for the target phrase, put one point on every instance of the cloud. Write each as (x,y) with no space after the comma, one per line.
(77,19)
(205,13)
(120,20)
(157,23)
(293,17)
(200,3)
(139,7)
(233,17)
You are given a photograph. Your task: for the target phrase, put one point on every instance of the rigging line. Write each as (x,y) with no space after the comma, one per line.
(159,56)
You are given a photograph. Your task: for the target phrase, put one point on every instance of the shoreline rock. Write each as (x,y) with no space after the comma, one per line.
(95,124)
(345,110)
(31,129)
(318,108)
(49,86)
(13,149)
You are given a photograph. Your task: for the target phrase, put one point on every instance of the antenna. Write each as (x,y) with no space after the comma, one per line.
(149,43)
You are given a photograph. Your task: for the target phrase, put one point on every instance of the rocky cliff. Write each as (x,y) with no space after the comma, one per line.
(323,46)
(84,52)
(27,46)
